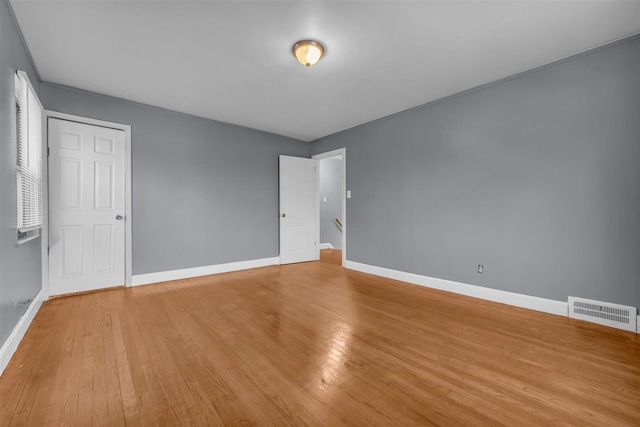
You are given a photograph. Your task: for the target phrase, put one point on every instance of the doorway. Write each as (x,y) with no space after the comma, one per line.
(332,206)
(89,204)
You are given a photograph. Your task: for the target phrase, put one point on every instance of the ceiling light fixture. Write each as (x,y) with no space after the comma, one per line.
(308,52)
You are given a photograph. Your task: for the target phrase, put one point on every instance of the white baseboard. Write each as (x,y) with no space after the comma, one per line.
(164,276)
(559,308)
(638,325)
(11,344)
(326,246)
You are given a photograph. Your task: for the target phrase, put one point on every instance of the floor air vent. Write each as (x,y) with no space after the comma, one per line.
(604,313)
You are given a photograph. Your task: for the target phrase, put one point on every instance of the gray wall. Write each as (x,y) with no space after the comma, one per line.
(20,266)
(331,188)
(536,177)
(204,192)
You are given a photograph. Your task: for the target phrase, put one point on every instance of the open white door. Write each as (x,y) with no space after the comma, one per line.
(298,210)
(86,207)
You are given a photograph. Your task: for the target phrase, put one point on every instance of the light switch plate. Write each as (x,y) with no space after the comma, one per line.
(348,194)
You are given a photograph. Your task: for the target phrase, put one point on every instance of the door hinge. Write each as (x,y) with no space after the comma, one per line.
(48,250)
(48,151)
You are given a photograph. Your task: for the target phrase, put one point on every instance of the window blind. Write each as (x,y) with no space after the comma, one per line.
(29,144)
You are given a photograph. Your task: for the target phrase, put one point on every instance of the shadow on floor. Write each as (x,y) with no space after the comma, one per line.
(331,256)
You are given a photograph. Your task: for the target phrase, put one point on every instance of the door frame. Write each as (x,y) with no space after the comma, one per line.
(328,155)
(128,256)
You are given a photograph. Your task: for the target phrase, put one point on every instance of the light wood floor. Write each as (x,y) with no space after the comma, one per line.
(313,344)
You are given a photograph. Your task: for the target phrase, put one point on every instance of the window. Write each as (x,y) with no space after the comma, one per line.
(29,131)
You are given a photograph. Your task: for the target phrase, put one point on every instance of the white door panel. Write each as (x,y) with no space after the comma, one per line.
(86,193)
(298,210)
(70,251)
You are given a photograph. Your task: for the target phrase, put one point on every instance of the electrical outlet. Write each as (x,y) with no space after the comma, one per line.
(480,268)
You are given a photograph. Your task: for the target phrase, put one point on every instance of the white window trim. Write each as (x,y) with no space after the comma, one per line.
(31,232)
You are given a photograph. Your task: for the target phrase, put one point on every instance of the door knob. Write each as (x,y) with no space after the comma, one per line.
(119,217)
(283,215)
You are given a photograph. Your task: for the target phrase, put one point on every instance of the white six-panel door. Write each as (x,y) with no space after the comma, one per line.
(299,202)
(86,207)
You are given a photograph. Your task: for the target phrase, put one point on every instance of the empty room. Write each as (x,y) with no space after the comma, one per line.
(319,213)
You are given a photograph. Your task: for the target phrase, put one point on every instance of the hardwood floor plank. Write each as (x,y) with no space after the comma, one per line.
(314,344)
(34,367)
(125,381)
(47,410)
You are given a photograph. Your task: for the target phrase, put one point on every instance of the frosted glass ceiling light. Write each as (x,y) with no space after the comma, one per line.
(308,52)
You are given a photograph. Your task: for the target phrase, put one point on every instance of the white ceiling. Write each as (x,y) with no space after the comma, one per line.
(231,61)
